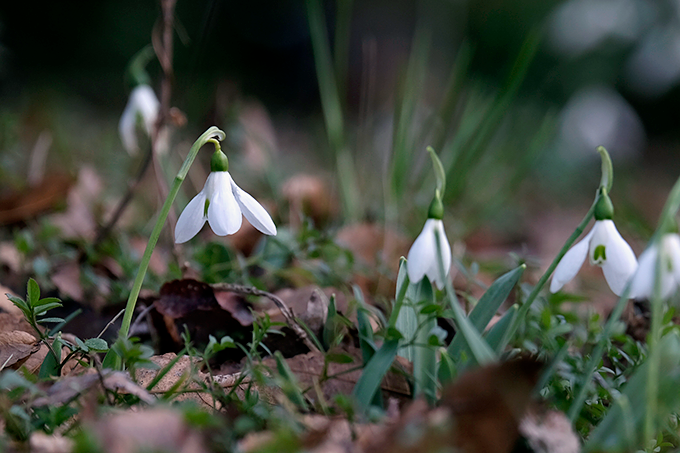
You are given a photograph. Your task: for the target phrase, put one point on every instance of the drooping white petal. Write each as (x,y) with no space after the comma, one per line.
(642,286)
(191,220)
(224,214)
(570,263)
(672,245)
(142,101)
(126,129)
(620,262)
(446,256)
(421,257)
(147,105)
(253,211)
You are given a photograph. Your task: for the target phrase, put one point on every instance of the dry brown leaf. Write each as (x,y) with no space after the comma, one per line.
(549,432)
(15,347)
(67,280)
(55,443)
(6,305)
(69,387)
(236,305)
(46,195)
(309,196)
(374,246)
(161,430)
(78,220)
(10,256)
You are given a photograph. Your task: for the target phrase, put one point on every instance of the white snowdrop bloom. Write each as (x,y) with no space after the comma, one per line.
(221,203)
(142,102)
(642,285)
(605,248)
(422,258)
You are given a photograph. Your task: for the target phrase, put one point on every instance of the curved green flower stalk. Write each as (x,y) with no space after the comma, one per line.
(212,135)
(606,182)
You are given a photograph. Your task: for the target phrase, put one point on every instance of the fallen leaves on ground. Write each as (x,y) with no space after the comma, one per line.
(15,347)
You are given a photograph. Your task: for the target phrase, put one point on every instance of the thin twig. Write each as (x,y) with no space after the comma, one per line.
(111,323)
(141,316)
(280,304)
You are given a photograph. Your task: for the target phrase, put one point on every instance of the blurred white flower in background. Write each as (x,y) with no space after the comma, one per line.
(654,66)
(143,103)
(642,286)
(598,115)
(578,26)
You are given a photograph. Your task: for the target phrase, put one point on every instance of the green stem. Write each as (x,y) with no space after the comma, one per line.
(524,309)
(652,388)
(208,136)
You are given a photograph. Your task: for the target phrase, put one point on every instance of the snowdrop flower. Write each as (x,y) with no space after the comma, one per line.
(605,247)
(642,285)
(422,259)
(142,102)
(221,203)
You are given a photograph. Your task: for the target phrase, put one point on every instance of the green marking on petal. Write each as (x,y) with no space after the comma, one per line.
(599,255)
(205,207)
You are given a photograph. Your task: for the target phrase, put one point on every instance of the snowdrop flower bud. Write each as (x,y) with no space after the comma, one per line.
(222,203)
(142,102)
(642,285)
(604,247)
(422,259)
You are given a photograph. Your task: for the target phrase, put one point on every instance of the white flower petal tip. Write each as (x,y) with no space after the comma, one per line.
(253,211)
(422,258)
(604,247)
(642,283)
(222,204)
(142,102)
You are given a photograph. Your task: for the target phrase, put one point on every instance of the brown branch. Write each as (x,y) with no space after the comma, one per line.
(287,313)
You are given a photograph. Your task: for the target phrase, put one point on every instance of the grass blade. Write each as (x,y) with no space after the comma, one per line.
(488,305)
(374,371)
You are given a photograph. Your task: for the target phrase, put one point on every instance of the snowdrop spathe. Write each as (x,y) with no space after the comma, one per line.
(142,102)
(221,203)
(642,284)
(422,258)
(604,247)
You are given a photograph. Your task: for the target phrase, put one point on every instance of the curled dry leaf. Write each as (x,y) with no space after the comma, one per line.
(78,221)
(69,387)
(67,280)
(193,304)
(15,347)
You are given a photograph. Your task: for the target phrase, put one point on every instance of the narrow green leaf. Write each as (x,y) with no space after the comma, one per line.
(408,318)
(339,358)
(289,385)
(45,308)
(424,355)
(97,344)
(374,371)
(402,286)
(488,305)
(163,371)
(53,319)
(47,300)
(18,301)
(50,365)
(446,372)
(32,292)
(481,352)
(497,337)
